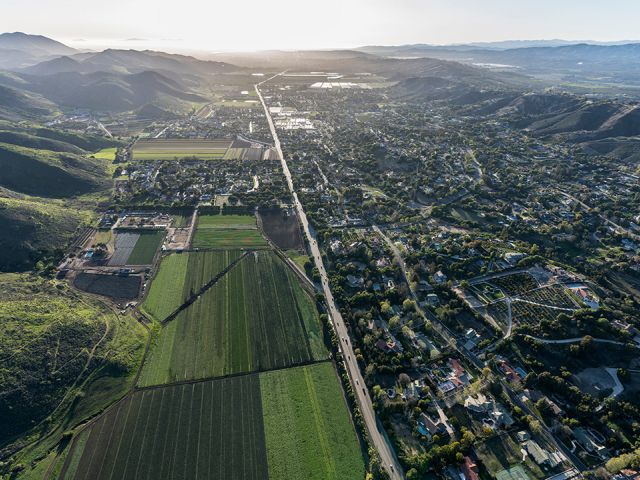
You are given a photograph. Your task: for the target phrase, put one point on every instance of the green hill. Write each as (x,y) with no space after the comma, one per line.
(24,139)
(50,174)
(32,229)
(48,334)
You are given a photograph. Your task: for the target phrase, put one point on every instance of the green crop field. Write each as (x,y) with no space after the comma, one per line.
(145,248)
(168,149)
(227,231)
(179,275)
(257,317)
(204,430)
(234,238)
(288,424)
(308,432)
(227,221)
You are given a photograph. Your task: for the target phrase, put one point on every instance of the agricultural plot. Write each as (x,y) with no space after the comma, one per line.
(124,245)
(168,149)
(553,295)
(136,248)
(113,286)
(146,248)
(227,231)
(515,284)
(202,430)
(290,424)
(307,428)
(179,275)
(282,227)
(257,317)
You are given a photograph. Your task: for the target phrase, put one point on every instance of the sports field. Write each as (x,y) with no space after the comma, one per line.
(181,274)
(257,317)
(289,424)
(227,231)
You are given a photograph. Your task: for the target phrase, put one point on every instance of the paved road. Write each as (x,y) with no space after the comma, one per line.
(387,456)
(577,340)
(620,228)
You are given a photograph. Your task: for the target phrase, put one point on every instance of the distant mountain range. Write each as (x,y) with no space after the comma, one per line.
(42,76)
(569,63)
(20,49)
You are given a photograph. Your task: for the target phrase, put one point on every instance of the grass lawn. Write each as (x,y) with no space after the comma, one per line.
(106,154)
(308,431)
(299,259)
(145,248)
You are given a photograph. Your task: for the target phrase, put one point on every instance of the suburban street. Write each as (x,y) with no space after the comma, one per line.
(471,357)
(387,456)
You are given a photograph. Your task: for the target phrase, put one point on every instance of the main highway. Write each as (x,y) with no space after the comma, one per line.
(376,437)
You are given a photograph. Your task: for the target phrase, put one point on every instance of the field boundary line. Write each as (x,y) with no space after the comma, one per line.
(305,363)
(204,288)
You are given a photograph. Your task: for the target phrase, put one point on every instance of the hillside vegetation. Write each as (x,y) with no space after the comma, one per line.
(53,338)
(50,174)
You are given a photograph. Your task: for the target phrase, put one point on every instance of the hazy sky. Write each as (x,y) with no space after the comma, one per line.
(291,24)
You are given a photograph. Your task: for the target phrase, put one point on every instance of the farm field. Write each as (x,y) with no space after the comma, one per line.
(136,247)
(257,317)
(114,286)
(179,275)
(307,428)
(283,425)
(227,231)
(282,227)
(515,284)
(168,149)
(146,248)
(202,430)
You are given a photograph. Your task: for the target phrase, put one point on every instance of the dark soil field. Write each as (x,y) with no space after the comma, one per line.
(282,228)
(113,286)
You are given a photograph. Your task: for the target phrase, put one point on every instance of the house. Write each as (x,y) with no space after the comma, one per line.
(589,444)
(355,282)
(508,371)
(513,258)
(500,416)
(539,455)
(478,404)
(432,427)
(523,436)
(433,300)
(470,469)
(472,338)
(439,277)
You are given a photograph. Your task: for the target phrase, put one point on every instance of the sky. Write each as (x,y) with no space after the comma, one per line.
(230,25)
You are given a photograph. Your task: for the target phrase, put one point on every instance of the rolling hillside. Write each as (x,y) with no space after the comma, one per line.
(112,92)
(50,174)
